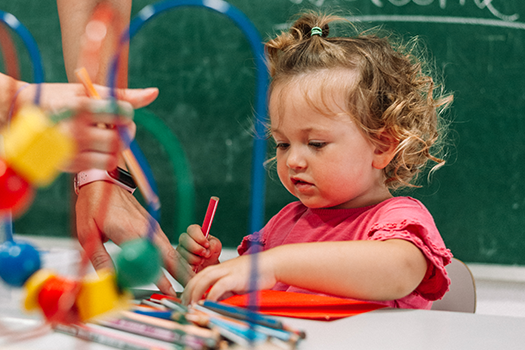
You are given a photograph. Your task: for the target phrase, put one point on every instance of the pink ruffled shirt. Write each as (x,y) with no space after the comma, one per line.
(396,218)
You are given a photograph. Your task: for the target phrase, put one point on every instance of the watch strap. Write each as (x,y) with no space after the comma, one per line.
(91,175)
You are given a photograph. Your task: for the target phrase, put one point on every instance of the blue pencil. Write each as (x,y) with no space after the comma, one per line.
(166,315)
(243,314)
(246,328)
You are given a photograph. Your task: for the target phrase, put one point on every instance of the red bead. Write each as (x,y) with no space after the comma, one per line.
(57,300)
(15,192)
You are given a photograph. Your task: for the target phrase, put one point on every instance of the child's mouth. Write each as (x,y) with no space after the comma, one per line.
(300,184)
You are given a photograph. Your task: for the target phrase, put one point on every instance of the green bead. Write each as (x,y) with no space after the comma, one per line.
(139,263)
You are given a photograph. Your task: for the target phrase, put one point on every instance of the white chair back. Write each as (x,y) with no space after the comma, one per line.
(462,294)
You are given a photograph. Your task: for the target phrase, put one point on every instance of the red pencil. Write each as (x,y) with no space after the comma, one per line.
(210,213)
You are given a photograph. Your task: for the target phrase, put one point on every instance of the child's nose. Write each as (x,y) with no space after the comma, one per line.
(296,159)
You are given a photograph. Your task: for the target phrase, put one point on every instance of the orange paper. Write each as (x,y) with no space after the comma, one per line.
(307,306)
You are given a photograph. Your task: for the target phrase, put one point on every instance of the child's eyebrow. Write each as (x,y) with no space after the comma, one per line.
(301,130)
(274,131)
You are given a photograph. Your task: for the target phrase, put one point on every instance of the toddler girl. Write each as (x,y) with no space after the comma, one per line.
(352,119)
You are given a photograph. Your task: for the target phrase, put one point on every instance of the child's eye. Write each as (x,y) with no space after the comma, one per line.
(317,144)
(282,145)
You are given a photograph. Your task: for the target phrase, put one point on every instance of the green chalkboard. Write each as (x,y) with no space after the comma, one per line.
(205,71)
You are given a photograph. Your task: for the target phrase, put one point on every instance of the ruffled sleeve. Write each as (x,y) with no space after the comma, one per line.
(436,282)
(274,232)
(248,242)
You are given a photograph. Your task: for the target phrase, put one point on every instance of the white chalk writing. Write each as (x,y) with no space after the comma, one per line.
(481,4)
(315,2)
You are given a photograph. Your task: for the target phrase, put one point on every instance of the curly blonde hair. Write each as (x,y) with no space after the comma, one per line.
(393,95)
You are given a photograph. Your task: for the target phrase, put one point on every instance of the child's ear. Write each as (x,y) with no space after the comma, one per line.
(385,151)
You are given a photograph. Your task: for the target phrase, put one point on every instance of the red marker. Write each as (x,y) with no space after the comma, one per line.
(210,213)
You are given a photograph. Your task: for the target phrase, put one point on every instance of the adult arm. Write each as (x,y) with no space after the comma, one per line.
(74,16)
(124,218)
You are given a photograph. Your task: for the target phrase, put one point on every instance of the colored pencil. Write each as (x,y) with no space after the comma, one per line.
(157,322)
(242,314)
(173,336)
(174,305)
(246,328)
(114,339)
(210,213)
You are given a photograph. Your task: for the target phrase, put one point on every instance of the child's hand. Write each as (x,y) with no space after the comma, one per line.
(198,250)
(229,278)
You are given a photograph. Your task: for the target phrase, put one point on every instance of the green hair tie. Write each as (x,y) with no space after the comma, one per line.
(316,31)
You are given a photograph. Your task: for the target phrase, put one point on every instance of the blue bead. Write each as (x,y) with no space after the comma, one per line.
(18,261)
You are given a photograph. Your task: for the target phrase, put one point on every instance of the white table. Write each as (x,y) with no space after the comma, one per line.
(394,329)
(389,329)
(381,329)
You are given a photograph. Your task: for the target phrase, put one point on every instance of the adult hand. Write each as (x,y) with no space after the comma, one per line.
(56,97)
(105,211)
(198,250)
(96,147)
(96,134)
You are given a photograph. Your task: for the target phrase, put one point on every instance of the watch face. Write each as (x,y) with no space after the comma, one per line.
(123,176)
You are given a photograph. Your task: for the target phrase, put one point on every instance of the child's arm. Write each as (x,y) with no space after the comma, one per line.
(198,250)
(369,270)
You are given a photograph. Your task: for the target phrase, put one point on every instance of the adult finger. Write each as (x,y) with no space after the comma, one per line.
(99,256)
(91,241)
(108,110)
(88,160)
(98,140)
(165,286)
(137,97)
(179,268)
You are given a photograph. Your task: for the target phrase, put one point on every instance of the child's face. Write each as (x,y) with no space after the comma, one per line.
(324,160)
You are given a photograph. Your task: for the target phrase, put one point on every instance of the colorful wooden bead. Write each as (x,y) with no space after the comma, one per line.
(57,300)
(35,148)
(33,286)
(18,261)
(99,295)
(16,193)
(138,263)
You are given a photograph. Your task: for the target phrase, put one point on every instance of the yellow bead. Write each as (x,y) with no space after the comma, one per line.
(35,148)
(99,295)
(33,286)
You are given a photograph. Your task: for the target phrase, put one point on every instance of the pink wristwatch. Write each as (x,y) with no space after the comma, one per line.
(117,176)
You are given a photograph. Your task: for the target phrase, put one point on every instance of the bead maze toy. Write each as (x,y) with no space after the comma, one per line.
(34,149)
